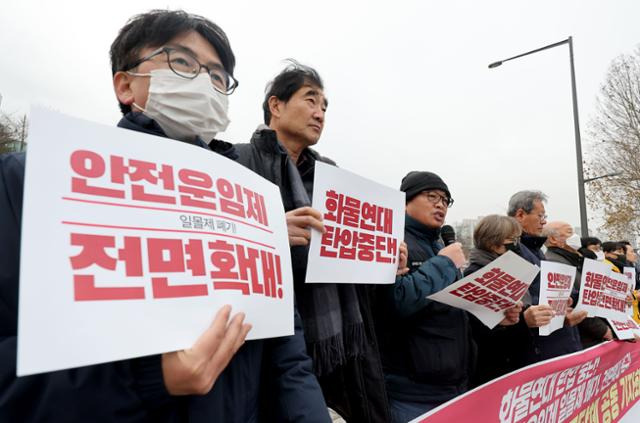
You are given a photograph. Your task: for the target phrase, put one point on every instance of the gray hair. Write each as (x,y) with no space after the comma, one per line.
(524,200)
(492,230)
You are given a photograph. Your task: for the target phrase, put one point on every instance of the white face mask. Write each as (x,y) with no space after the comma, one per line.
(599,256)
(574,241)
(185,108)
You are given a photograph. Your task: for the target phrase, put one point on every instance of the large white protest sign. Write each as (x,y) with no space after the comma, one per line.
(131,243)
(364,223)
(626,329)
(488,292)
(603,292)
(556,282)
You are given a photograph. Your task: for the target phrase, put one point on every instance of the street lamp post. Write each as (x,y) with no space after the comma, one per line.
(584,228)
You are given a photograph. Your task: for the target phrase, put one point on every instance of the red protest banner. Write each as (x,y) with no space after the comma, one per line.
(601,384)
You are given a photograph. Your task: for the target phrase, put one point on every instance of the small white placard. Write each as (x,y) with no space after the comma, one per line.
(625,329)
(364,226)
(491,290)
(603,292)
(556,282)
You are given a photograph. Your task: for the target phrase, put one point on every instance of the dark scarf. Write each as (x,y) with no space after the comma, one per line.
(333,325)
(533,242)
(620,263)
(481,258)
(575,259)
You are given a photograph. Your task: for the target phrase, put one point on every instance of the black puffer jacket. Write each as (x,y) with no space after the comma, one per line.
(356,389)
(427,350)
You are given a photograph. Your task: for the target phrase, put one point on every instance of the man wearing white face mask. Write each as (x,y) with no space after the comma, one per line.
(562,247)
(179,89)
(176,83)
(172,72)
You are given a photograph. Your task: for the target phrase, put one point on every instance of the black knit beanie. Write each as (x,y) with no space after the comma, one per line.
(415,182)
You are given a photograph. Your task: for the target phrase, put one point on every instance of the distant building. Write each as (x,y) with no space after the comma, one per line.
(464,233)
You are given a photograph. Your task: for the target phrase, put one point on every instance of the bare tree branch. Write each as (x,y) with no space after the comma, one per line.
(614,132)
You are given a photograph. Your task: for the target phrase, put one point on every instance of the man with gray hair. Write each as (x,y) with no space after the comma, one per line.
(527,207)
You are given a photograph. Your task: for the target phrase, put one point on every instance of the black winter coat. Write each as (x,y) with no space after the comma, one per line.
(356,389)
(426,346)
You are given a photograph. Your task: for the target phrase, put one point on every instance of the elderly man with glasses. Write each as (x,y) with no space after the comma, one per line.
(527,207)
(426,346)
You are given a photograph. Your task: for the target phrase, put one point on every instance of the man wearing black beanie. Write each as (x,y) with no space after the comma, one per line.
(426,346)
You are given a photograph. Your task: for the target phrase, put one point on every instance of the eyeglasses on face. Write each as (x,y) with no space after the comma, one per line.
(184,64)
(435,198)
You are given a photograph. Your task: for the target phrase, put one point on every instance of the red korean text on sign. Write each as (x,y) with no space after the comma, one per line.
(363,231)
(482,296)
(229,266)
(503,283)
(144,181)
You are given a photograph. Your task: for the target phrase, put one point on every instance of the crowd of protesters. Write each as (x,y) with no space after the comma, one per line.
(372,354)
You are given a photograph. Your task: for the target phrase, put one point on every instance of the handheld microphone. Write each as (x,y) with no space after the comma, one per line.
(448,235)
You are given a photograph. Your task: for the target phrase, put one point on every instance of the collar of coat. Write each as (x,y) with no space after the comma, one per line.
(420,230)
(481,257)
(574,258)
(266,139)
(139,122)
(533,242)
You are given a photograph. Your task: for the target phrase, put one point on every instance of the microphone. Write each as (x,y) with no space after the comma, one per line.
(448,235)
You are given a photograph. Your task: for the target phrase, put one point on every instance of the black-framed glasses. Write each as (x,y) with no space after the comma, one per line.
(183,64)
(435,198)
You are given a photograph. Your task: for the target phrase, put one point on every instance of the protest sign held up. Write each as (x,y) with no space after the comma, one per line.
(364,223)
(556,282)
(625,329)
(141,243)
(491,290)
(603,292)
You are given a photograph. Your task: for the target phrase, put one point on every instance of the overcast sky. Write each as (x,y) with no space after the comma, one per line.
(407,81)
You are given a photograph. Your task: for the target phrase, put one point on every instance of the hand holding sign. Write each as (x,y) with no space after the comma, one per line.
(194,371)
(403,255)
(538,315)
(491,291)
(298,223)
(512,315)
(573,318)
